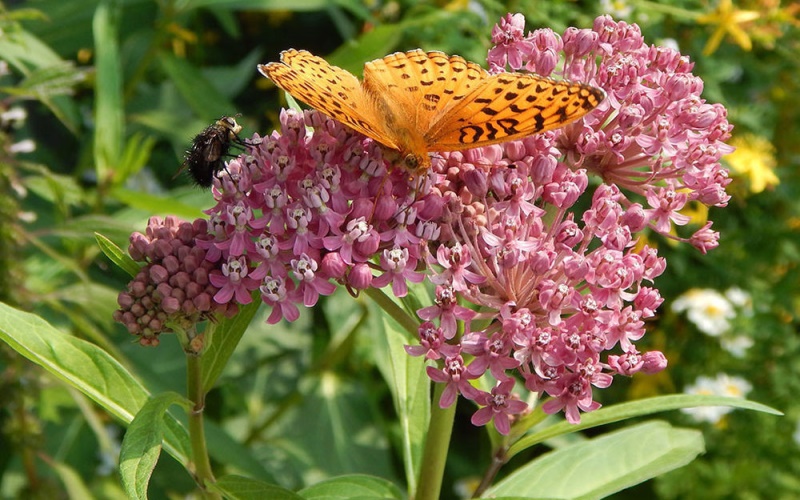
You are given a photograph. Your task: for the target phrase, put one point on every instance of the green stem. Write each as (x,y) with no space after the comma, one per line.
(410,324)
(202,465)
(437,444)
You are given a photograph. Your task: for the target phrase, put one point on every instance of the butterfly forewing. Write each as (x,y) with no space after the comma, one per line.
(510,106)
(328,88)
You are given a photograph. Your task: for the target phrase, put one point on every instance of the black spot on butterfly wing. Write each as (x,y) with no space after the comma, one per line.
(206,156)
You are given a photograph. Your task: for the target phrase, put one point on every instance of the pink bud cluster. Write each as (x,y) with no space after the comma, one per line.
(172,290)
(538,271)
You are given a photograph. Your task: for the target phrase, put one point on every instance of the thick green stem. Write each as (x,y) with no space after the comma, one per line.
(202,465)
(437,444)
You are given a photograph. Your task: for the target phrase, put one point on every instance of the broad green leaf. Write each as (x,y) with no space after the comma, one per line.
(141,445)
(233,453)
(109,109)
(405,375)
(616,413)
(352,486)
(117,255)
(335,428)
(85,367)
(226,336)
(244,488)
(604,465)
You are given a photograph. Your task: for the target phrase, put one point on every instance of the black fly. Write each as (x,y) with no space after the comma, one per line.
(209,149)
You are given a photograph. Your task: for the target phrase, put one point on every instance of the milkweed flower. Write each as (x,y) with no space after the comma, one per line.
(531,244)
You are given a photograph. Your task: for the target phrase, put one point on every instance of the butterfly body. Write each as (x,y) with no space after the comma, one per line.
(419,102)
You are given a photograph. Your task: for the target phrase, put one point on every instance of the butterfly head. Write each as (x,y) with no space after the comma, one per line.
(411,162)
(416,163)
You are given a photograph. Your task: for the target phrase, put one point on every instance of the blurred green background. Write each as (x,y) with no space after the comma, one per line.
(98,102)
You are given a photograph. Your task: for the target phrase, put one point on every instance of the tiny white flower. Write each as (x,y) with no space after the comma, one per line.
(24,146)
(708,309)
(618,9)
(736,345)
(722,385)
(734,387)
(740,299)
(738,296)
(15,116)
(669,43)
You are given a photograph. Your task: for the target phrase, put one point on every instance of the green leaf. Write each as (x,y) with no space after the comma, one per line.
(226,336)
(141,445)
(85,367)
(230,81)
(109,114)
(405,375)
(352,486)
(74,486)
(61,190)
(134,157)
(117,255)
(291,5)
(117,228)
(616,413)
(376,43)
(26,54)
(57,79)
(244,488)
(234,454)
(154,204)
(604,465)
(337,428)
(201,96)
(24,51)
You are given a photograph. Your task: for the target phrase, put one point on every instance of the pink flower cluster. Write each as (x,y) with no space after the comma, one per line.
(538,271)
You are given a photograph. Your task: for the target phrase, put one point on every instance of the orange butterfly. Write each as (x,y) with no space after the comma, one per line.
(417,102)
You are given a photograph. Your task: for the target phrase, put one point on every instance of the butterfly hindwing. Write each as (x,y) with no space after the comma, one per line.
(509,106)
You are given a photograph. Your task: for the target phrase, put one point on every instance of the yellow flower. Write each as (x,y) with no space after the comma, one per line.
(754,159)
(728,20)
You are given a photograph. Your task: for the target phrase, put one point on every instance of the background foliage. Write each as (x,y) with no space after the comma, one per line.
(99,99)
